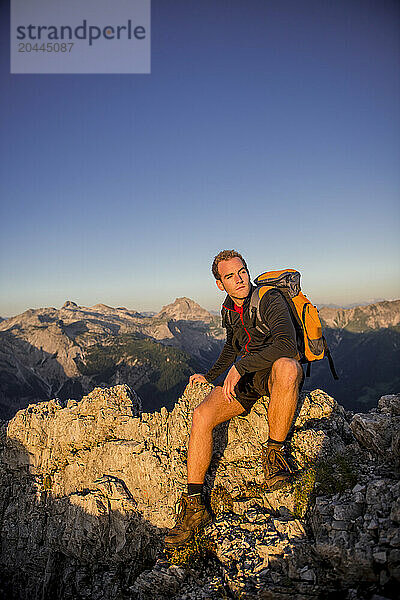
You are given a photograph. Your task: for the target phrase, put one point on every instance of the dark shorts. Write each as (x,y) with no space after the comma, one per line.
(252,386)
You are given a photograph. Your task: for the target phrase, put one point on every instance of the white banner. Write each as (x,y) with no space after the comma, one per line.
(80,36)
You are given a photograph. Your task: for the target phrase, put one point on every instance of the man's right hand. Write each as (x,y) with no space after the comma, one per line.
(197,378)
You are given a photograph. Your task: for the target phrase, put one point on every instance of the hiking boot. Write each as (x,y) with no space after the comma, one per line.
(277,471)
(192,517)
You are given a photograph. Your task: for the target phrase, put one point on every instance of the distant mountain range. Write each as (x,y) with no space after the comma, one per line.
(365,343)
(353,304)
(66,352)
(359,319)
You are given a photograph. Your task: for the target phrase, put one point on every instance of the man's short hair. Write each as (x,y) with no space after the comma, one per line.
(225,255)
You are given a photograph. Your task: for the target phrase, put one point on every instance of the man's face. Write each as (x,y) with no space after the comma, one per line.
(235,279)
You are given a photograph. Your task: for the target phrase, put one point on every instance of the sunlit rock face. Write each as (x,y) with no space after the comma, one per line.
(88,489)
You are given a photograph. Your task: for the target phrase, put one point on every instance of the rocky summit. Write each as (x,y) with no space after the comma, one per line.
(88,489)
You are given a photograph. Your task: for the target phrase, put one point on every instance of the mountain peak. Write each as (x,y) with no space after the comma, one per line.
(184,309)
(101,306)
(69,304)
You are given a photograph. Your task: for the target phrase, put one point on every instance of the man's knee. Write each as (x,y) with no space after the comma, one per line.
(287,370)
(201,418)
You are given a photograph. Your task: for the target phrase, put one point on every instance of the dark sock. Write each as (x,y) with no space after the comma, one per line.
(194,488)
(275,444)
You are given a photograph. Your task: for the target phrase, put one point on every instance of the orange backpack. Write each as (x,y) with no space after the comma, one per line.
(310,341)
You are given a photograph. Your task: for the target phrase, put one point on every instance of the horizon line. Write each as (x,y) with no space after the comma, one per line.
(319,305)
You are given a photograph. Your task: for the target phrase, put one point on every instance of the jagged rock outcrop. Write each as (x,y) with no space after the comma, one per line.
(88,488)
(379,430)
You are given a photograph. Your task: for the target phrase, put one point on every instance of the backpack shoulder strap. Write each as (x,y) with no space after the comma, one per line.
(255,302)
(258,294)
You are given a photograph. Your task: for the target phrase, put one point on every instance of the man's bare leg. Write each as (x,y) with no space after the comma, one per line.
(284,382)
(194,515)
(214,409)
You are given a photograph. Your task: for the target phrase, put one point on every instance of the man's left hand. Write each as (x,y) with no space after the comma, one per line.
(229,384)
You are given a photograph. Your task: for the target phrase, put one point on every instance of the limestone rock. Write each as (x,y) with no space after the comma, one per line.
(89,487)
(372,431)
(379,431)
(390,404)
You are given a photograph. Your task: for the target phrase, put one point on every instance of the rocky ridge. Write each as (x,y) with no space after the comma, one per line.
(89,487)
(378,315)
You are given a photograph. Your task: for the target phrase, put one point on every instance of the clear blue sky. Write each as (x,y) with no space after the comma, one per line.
(271,127)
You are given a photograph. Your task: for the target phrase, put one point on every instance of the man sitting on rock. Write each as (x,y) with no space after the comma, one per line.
(260,365)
